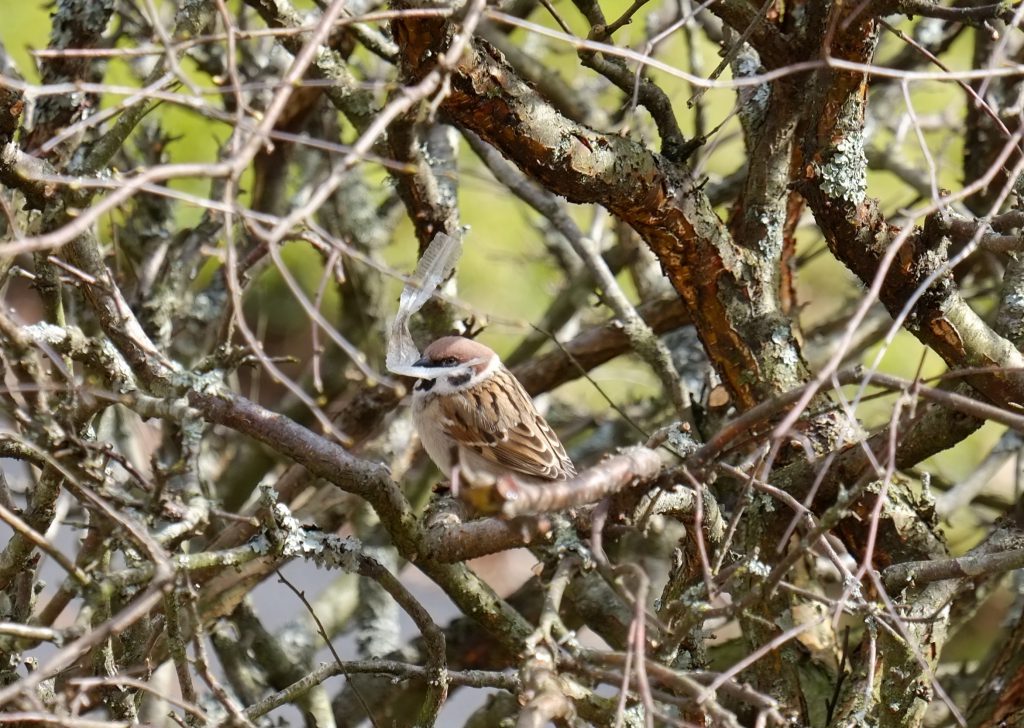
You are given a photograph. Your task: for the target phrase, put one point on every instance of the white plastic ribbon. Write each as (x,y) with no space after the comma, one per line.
(436,264)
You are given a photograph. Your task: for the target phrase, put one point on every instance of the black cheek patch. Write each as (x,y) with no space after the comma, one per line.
(457,380)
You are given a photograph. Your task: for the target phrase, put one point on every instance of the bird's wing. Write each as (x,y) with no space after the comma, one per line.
(497,420)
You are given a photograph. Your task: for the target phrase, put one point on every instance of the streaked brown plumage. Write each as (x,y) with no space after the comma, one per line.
(476,415)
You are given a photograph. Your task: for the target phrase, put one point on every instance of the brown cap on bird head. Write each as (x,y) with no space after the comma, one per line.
(450,351)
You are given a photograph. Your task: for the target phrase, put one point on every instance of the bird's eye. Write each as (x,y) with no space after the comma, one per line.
(448,361)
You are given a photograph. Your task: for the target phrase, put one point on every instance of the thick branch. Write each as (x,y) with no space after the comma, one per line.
(669,211)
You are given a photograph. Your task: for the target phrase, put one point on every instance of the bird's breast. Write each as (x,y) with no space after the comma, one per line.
(427,417)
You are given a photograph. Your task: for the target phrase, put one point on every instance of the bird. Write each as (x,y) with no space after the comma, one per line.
(478,424)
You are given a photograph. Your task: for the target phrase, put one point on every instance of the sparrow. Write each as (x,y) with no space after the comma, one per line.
(477,422)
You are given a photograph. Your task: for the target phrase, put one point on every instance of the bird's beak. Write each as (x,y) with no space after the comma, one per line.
(422,362)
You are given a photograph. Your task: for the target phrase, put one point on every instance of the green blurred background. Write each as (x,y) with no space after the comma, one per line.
(506,276)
